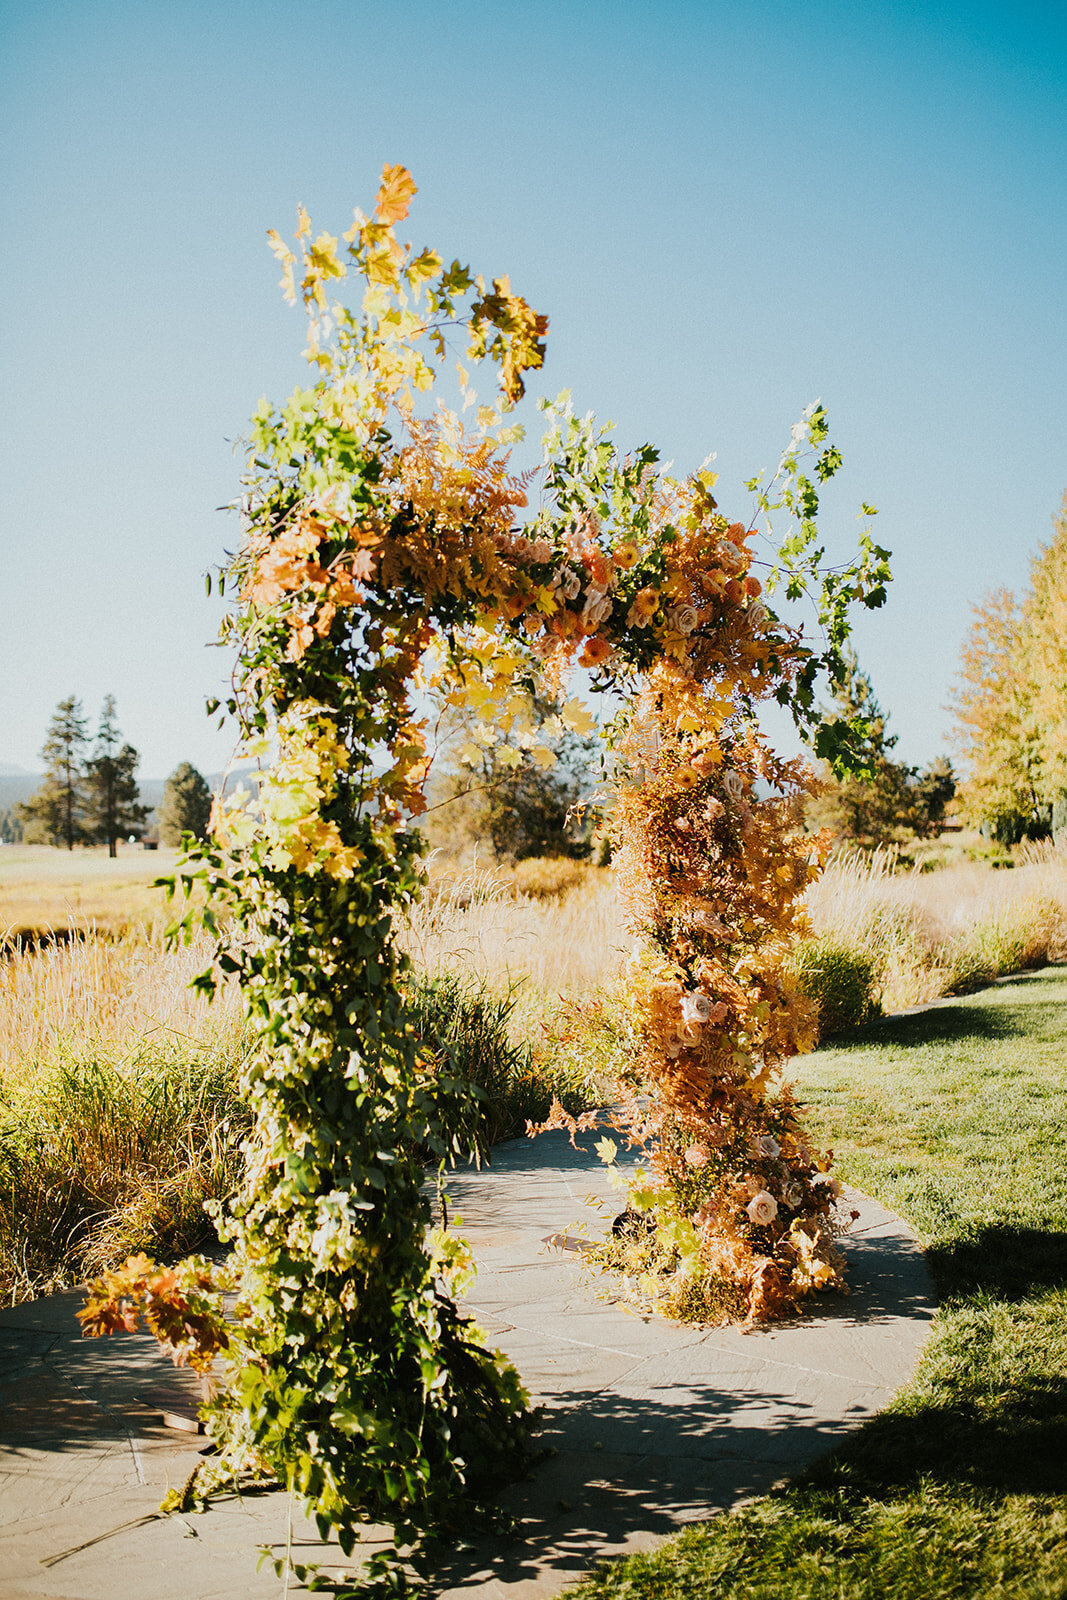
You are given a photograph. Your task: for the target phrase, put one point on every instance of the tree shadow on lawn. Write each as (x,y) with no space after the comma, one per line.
(1012,1443)
(986,1417)
(1007,1263)
(941,1025)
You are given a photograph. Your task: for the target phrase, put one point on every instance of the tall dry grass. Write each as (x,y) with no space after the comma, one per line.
(104,996)
(477,920)
(928,934)
(119,1114)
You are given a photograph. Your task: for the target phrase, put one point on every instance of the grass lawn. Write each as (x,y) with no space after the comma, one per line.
(957,1119)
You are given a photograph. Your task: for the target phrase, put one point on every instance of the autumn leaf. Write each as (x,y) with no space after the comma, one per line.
(423,266)
(287,259)
(397,191)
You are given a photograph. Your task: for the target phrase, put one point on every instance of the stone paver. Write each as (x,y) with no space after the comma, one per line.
(653,1424)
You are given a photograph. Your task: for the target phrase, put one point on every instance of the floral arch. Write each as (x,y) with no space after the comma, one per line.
(384,555)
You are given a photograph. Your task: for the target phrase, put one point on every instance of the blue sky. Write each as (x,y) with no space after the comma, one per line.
(726,209)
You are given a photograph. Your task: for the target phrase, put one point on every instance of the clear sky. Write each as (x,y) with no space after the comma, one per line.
(726,208)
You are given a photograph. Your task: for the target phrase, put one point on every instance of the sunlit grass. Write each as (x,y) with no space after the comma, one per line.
(45,890)
(956,1118)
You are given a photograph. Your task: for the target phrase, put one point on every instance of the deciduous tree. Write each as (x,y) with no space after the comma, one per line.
(995,728)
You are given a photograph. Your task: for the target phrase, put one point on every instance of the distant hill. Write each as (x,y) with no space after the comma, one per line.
(16,785)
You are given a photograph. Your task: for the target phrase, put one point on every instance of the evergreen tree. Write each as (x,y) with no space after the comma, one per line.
(55,814)
(114,807)
(894,801)
(875,809)
(10,826)
(186,805)
(932,789)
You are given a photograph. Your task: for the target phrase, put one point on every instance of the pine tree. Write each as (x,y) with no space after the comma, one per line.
(882,807)
(114,807)
(55,814)
(186,805)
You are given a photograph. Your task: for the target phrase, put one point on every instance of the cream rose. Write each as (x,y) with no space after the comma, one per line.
(762,1209)
(696,1007)
(683,618)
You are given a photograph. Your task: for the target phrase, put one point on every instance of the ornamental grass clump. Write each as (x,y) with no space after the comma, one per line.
(393,576)
(504,1084)
(841,979)
(104,1157)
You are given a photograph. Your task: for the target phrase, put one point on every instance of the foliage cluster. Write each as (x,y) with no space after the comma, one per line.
(1010,702)
(956,1120)
(381,558)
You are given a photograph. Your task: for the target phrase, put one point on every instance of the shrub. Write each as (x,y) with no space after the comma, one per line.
(1022,934)
(843,979)
(548,877)
(491,1086)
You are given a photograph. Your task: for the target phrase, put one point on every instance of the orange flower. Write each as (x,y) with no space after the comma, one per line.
(597,649)
(753,587)
(626,556)
(645,602)
(597,565)
(687,777)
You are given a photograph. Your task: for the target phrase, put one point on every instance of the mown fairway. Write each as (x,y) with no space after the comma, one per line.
(956,1118)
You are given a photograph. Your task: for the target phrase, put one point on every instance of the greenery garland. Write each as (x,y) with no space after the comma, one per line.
(382,561)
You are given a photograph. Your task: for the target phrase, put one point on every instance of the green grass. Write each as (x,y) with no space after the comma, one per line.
(469,1026)
(957,1119)
(102,1157)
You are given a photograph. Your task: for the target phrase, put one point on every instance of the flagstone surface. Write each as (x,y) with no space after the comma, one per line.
(651,1425)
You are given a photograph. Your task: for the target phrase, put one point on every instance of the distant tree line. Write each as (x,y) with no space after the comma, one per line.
(89,793)
(893,802)
(1010,702)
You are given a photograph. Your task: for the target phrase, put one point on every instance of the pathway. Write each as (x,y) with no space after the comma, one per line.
(654,1424)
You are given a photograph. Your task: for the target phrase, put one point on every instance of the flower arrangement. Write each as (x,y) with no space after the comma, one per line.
(391,556)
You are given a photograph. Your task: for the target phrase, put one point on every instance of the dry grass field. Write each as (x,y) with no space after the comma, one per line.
(43,889)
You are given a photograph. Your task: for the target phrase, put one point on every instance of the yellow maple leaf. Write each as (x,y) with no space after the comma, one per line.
(303,223)
(577,717)
(397,191)
(423,266)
